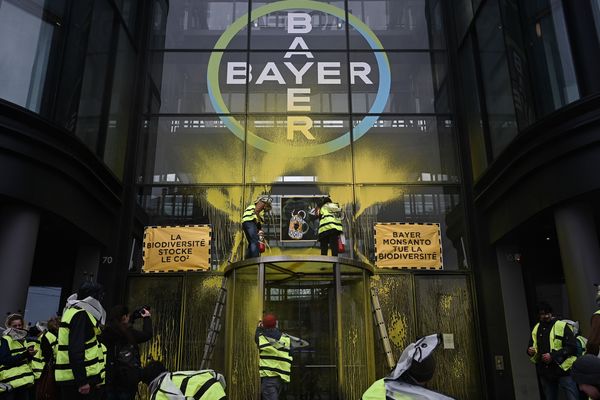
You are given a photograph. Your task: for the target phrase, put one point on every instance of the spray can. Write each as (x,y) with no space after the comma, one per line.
(261,242)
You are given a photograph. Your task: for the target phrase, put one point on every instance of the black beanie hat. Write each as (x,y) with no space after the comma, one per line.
(587,370)
(90,289)
(422,371)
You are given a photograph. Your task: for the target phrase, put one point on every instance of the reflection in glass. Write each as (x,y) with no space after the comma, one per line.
(596,11)
(406,149)
(94,77)
(436,21)
(184,82)
(120,106)
(417,204)
(196,150)
(398,24)
(495,78)
(412,88)
(439,60)
(554,75)
(298,145)
(463,15)
(24,61)
(198,24)
(472,109)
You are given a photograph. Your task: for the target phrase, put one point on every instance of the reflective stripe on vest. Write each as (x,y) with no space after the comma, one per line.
(21,374)
(103,371)
(556,336)
(37,362)
(250,215)
(199,385)
(329,221)
(275,358)
(93,357)
(52,341)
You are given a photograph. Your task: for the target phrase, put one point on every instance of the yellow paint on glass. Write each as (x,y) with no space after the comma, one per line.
(398,329)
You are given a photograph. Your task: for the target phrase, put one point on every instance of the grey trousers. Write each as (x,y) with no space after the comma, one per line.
(270,388)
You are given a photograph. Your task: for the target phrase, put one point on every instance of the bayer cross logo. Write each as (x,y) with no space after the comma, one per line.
(290,72)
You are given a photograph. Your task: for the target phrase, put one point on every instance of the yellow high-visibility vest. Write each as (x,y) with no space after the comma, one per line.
(250,215)
(329,220)
(275,358)
(52,341)
(37,362)
(201,385)
(21,374)
(556,336)
(93,356)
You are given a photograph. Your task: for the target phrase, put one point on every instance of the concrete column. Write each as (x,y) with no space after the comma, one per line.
(580,255)
(19,226)
(517,323)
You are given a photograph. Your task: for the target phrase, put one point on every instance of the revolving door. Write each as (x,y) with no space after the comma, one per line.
(321,300)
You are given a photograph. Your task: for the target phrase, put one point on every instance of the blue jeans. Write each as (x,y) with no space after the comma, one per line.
(251,231)
(270,388)
(566,384)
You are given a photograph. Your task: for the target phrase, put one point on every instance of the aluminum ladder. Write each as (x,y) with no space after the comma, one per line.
(215,326)
(382,329)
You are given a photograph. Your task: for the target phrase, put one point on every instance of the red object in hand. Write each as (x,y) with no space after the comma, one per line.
(341,246)
(261,247)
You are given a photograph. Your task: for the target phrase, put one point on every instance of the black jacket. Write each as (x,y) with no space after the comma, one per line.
(116,340)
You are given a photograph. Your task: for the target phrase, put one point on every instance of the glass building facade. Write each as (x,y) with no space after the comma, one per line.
(217,136)
(477,115)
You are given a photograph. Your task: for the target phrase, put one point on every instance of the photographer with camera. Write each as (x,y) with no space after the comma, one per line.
(123,364)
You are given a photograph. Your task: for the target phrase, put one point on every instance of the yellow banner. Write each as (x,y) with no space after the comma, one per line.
(403,245)
(176,248)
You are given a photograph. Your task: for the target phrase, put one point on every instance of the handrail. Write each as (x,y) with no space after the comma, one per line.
(295,259)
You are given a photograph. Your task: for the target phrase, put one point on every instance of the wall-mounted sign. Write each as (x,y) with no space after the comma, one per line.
(298,220)
(176,248)
(405,245)
(298,75)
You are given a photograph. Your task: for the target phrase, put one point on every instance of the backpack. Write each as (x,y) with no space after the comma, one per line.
(127,371)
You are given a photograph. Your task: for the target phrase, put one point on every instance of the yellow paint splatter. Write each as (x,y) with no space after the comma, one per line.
(398,329)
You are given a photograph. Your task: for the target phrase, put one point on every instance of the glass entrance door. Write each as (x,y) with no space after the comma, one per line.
(320,301)
(305,305)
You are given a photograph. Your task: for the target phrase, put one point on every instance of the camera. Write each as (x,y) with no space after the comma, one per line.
(137,313)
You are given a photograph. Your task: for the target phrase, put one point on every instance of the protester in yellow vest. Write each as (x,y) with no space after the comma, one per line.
(252,221)
(200,385)
(49,341)
(552,347)
(414,369)
(16,376)
(79,359)
(33,340)
(330,226)
(275,363)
